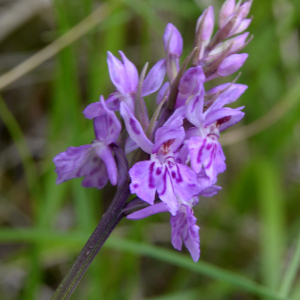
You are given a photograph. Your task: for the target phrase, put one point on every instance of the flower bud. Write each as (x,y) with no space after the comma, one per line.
(173,41)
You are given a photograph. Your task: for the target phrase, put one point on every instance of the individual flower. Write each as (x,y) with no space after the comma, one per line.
(124,76)
(94,162)
(161,173)
(184,228)
(205,151)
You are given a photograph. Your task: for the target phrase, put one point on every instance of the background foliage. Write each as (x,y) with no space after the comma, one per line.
(249,231)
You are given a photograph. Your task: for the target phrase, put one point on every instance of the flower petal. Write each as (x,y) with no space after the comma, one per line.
(155,78)
(231,64)
(118,74)
(135,129)
(148,211)
(113,101)
(207,24)
(78,162)
(93,110)
(184,181)
(173,41)
(184,229)
(163,92)
(105,153)
(194,110)
(192,81)
(132,73)
(143,181)
(107,126)
(165,189)
(206,152)
(167,133)
(224,115)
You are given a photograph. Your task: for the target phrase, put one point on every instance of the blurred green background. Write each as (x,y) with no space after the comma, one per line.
(249,231)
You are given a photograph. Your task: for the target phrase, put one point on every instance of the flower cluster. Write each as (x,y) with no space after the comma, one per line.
(178,154)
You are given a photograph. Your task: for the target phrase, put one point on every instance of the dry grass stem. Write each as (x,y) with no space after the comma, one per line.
(52,49)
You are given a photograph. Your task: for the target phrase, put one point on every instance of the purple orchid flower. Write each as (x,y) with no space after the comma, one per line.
(183,224)
(205,151)
(125,78)
(185,229)
(161,173)
(94,162)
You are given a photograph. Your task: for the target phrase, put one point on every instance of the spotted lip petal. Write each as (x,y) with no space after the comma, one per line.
(184,229)
(143,182)
(207,153)
(184,181)
(165,188)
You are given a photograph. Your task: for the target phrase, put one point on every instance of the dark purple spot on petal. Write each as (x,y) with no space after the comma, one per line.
(179,177)
(212,156)
(133,125)
(223,120)
(158,171)
(208,146)
(200,152)
(151,178)
(165,182)
(173,174)
(135,185)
